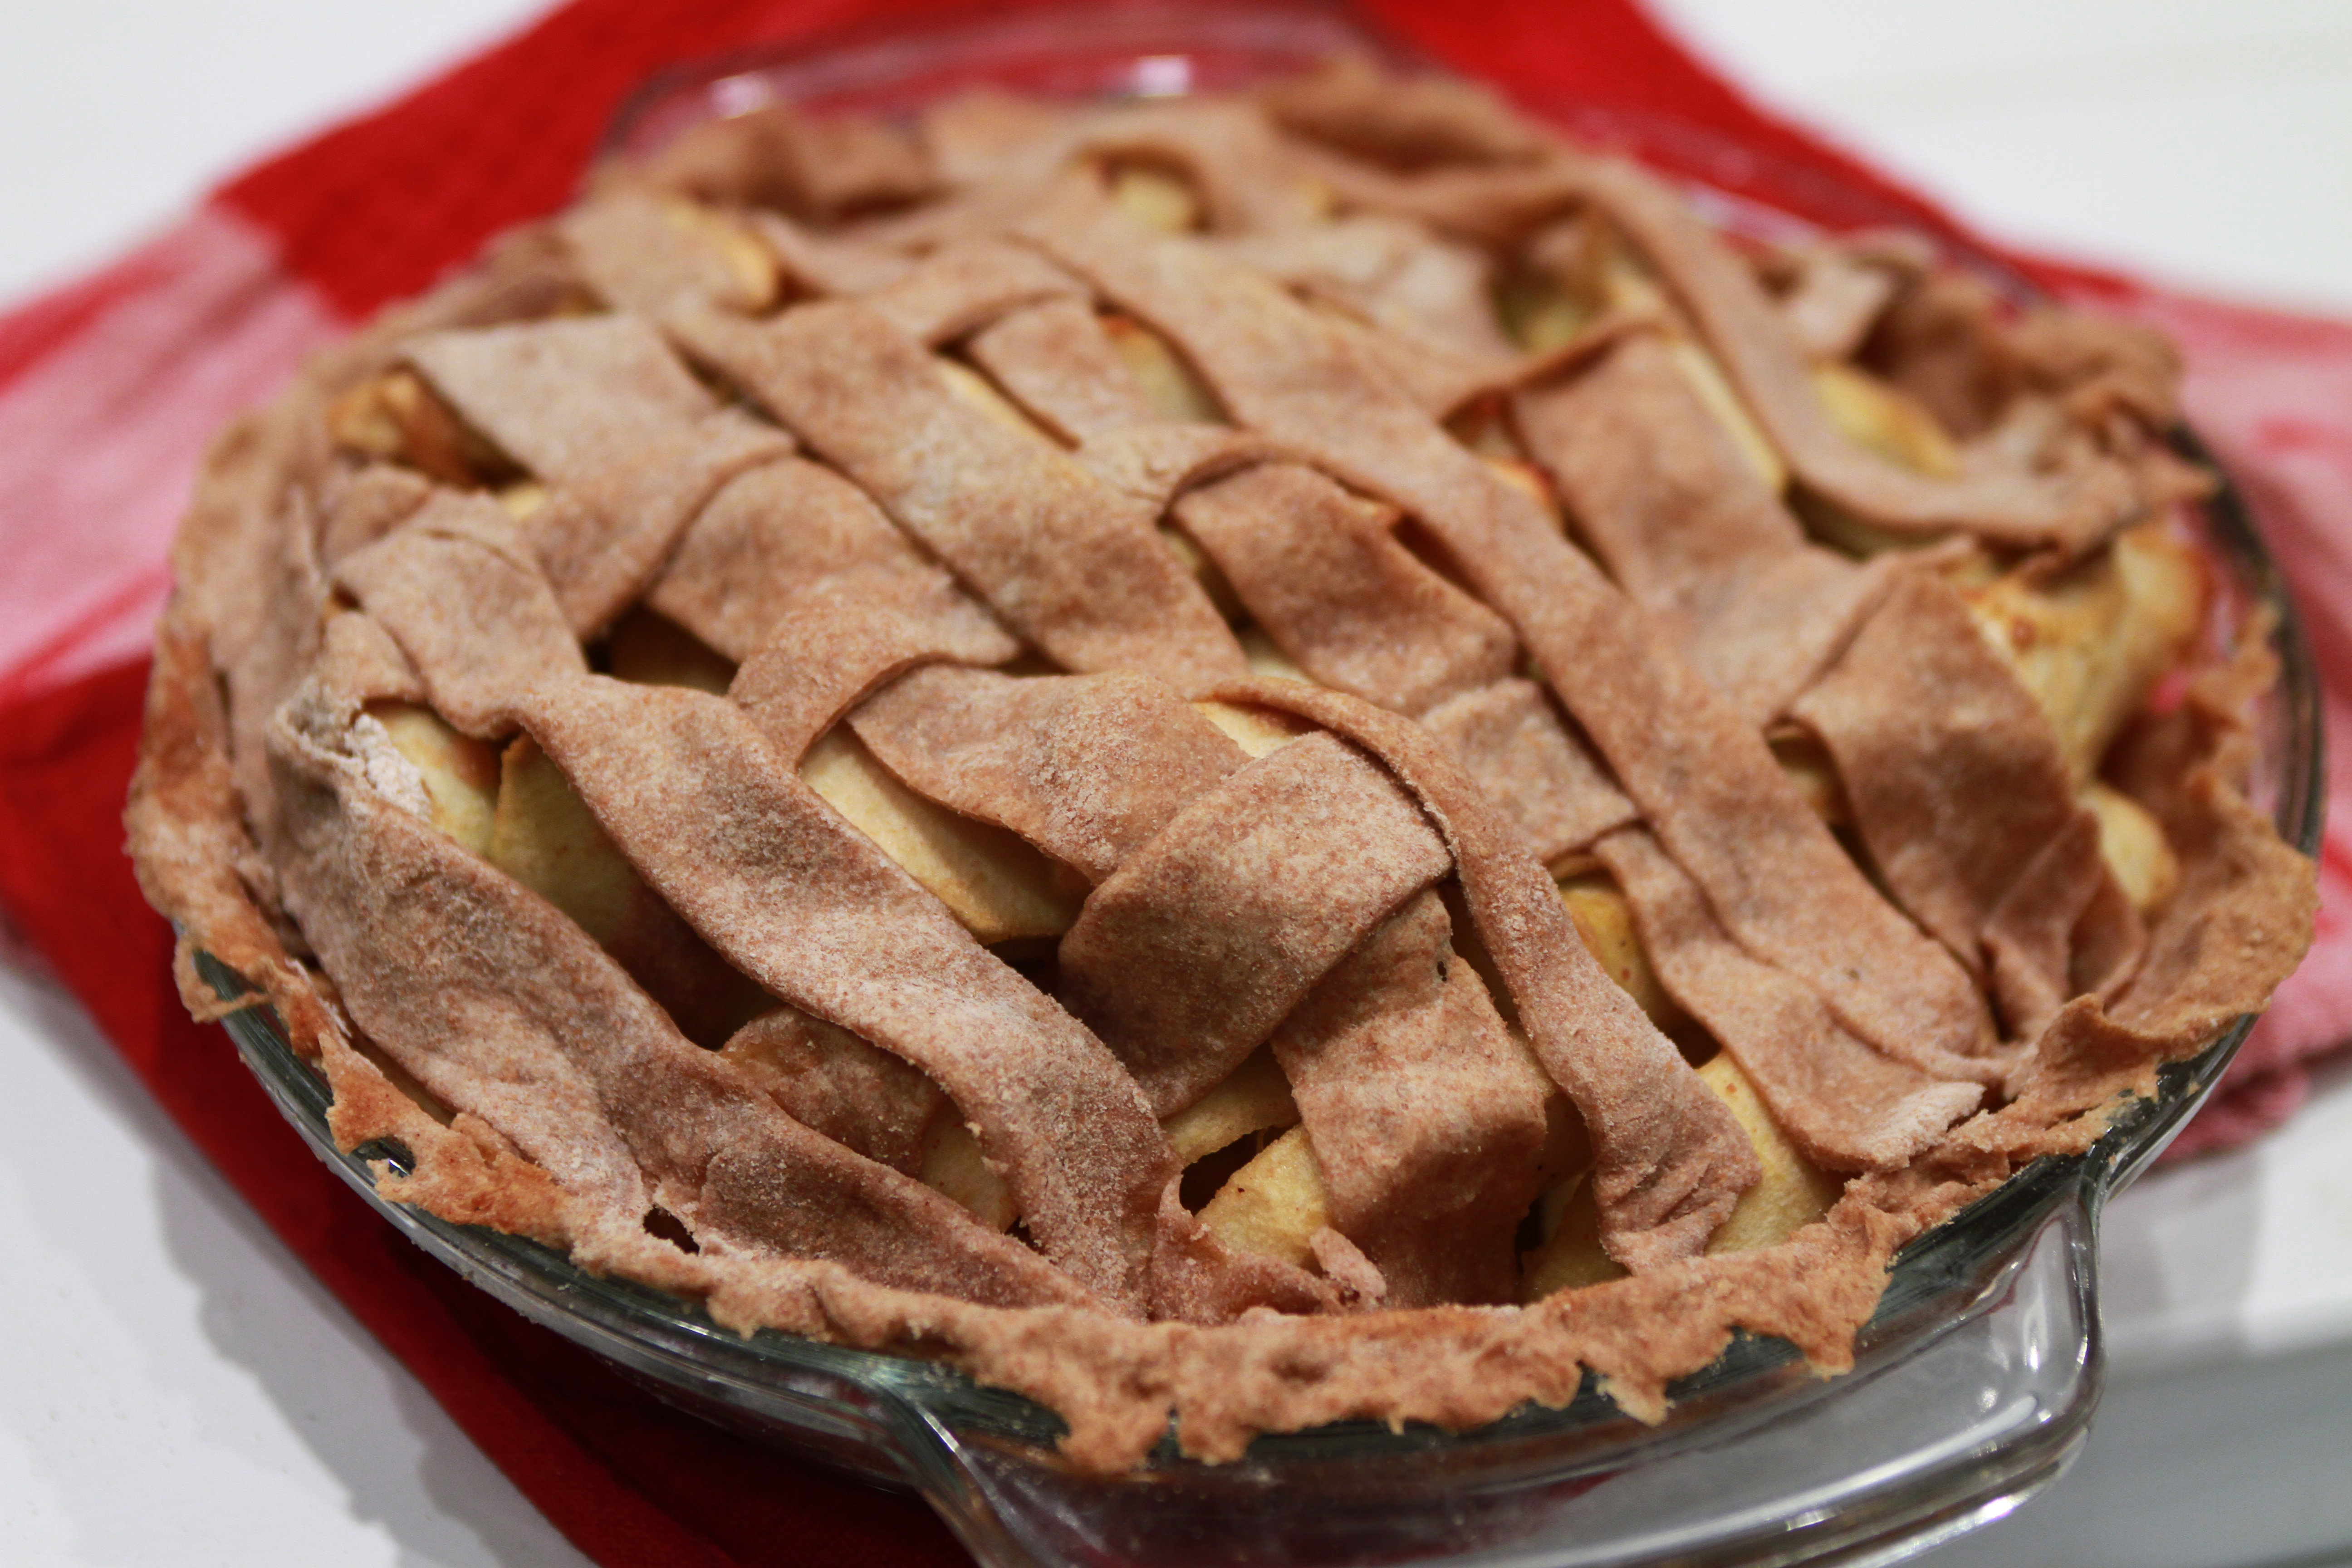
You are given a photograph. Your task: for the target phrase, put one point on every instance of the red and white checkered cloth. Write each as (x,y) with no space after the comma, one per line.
(110,388)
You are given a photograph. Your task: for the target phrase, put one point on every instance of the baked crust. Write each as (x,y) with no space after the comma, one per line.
(844,419)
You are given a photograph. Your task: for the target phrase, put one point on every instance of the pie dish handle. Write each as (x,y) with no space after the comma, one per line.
(1922,1443)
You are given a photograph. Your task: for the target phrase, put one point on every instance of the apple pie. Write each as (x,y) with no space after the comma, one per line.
(1262,758)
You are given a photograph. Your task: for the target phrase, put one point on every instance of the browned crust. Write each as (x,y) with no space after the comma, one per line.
(197,812)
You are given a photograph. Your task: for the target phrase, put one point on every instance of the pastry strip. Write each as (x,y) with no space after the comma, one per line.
(1054,359)
(1088,768)
(1703,779)
(789,525)
(1507,739)
(638,257)
(1409,121)
(1760,354)
(2065,928)
(971,132)
(360,663)
(1322,572)
(1959,788)
(1498,205)
(368,505)
(1432,377)
(1155,463)
(1188,954)
(601,409)
(1427,1119)
(833,642)
(1069,562)
(1392,273)
(778,156)
(562,396)
(805,905)
(960,288)
(465,603)
(1669,1160)
(1848,1107)
(499,1005)
(1224,152)
(1689,532)
(822,264)
(1839,292)
(1196,1279)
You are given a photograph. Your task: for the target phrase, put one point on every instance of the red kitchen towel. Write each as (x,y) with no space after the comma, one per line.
(109,388)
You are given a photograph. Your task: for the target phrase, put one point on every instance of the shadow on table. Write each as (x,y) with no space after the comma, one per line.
(403,1464)
(2176,1256)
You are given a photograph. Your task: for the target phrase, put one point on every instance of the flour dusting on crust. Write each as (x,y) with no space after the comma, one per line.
(1138,748)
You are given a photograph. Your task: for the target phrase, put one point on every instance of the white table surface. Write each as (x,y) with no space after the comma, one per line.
(174,1388)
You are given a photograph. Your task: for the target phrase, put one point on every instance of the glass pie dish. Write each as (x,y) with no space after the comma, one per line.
(1976,1378)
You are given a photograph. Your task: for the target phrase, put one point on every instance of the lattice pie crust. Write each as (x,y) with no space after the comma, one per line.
(1137,746)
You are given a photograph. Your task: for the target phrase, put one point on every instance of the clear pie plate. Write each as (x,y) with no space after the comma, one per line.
(1976,1380)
